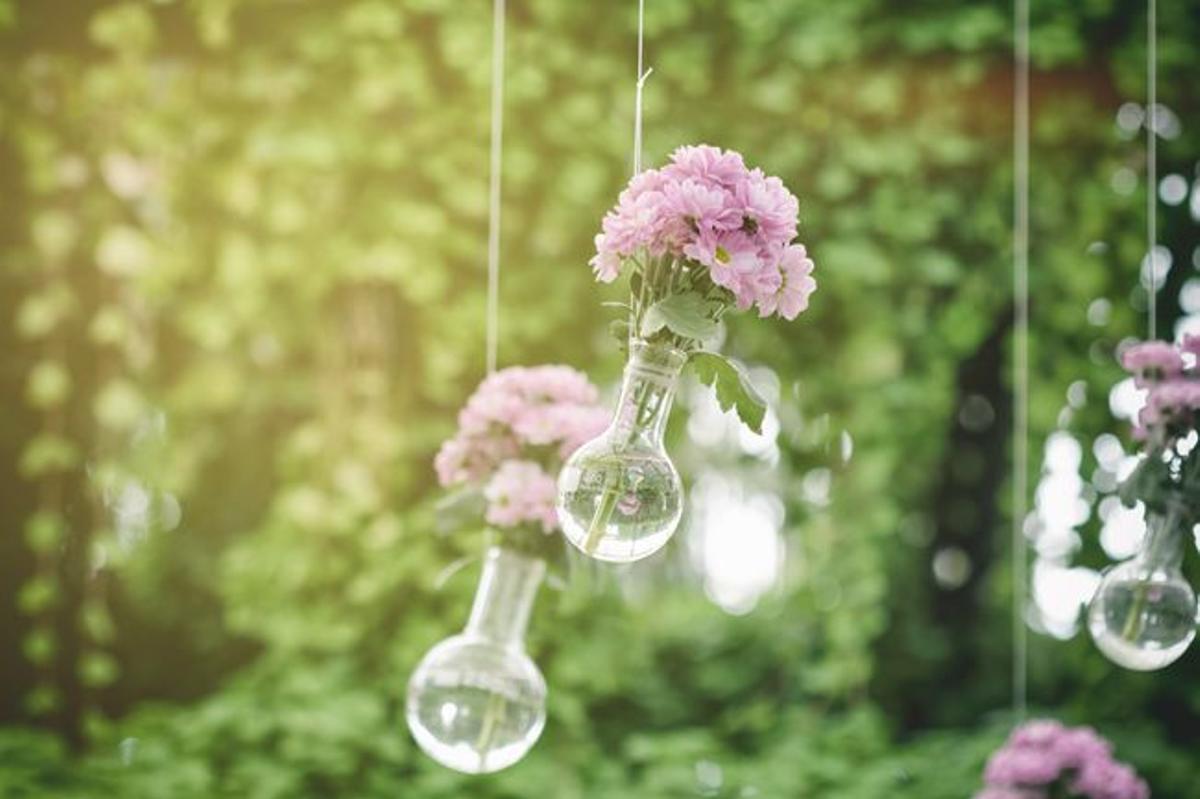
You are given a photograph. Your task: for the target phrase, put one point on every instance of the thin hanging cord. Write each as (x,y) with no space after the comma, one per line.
(1020,483)
(641,83)
(637,122)
(493,266)
(1152,161)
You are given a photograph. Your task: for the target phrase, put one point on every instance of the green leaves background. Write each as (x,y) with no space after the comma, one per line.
(251,236)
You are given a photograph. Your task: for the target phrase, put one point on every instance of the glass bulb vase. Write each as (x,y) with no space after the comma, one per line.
(1143,616)
(619,496)
(476,703)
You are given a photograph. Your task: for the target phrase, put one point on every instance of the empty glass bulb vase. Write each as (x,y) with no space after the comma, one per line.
(476,702)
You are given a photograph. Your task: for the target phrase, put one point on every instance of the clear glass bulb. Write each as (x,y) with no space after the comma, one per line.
(619,496)
(1143,616)
(476,702)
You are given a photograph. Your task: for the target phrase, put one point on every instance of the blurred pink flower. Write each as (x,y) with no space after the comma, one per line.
(1174,396)
(531,416)
(1009,793)
(1149,361)
(1102,778)
(1172,384)
(1040,732)
(1079,745)
(1019,766)
(1191,344)
(1043,755)
(521,492)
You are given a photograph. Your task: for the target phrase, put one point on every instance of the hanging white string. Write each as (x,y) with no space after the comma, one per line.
(637,120)
(1152,163)
(641,83)
(493,266)
(1020,480)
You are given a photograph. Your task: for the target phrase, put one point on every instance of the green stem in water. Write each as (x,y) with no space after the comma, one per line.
(613,479)
(1133,621)
(604,511)
(495,712)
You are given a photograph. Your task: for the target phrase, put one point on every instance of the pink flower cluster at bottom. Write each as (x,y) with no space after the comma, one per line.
(1043,754)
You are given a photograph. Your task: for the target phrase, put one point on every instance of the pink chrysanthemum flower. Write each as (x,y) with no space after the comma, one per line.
(706,212)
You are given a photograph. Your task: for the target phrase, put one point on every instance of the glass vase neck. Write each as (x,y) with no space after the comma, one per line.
(648,390)
(1163,547)
(504,599)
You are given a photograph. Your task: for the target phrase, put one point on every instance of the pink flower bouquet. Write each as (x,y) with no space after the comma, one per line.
(513,435)
(700,236)
(1143,614)
(1169,478)
(1046,760)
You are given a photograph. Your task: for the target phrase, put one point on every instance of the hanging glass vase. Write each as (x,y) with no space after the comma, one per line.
(476,702)
(1143,616)
(619,496)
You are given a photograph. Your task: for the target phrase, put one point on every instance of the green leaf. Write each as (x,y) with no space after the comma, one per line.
(687,315)
(733,387)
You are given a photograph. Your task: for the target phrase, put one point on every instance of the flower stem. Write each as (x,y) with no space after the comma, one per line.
(491,717)
(1133,621)
(604,511)
(613,478)
(1155,540)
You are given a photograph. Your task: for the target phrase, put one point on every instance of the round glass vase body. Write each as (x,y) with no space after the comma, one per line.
(1143,616)
(619,496)
(476,703)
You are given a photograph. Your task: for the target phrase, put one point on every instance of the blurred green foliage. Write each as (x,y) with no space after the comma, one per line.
(244,253)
